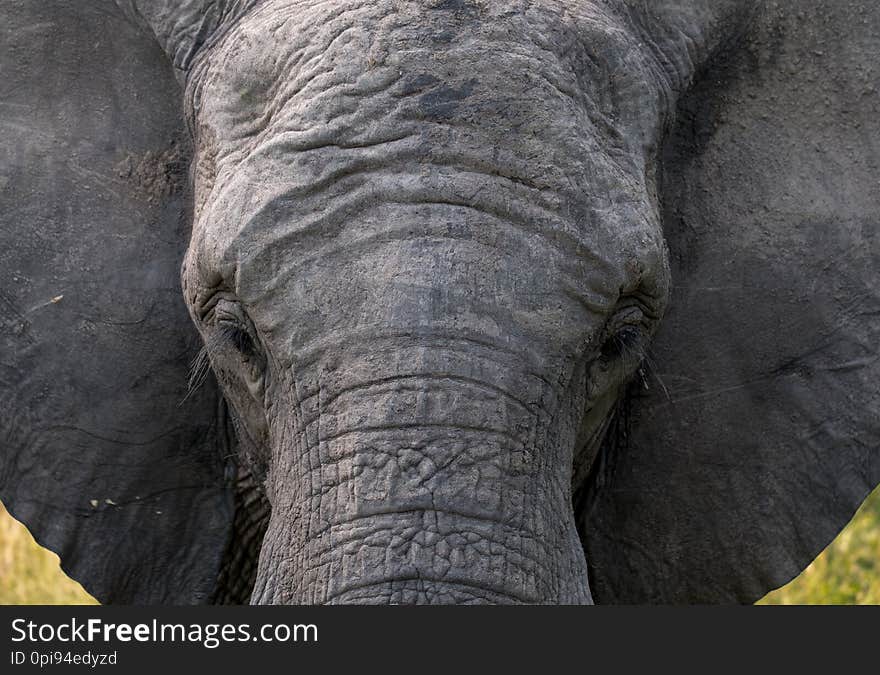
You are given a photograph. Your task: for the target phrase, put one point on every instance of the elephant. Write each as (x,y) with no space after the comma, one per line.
(438,301)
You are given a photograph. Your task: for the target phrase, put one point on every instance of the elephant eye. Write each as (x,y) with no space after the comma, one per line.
(238,337)
(228,332)
(625,343)
(627,336)
(233,328)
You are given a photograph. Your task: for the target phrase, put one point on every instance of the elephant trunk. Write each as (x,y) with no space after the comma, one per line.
(444,481)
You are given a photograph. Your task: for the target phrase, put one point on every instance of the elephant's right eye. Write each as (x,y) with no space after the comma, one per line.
(238,338)
(625,343)
(234,329)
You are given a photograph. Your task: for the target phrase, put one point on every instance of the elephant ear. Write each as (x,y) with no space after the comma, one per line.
(102,454)
(759,433)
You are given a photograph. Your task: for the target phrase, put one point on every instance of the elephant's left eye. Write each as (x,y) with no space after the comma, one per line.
(627,337)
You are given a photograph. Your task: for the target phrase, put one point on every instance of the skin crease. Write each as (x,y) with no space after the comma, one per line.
(426,257)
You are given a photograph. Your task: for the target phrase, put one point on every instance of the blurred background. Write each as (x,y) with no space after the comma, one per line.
(846,573)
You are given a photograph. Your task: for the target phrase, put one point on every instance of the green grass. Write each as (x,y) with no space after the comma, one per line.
(30,574)
(846,573)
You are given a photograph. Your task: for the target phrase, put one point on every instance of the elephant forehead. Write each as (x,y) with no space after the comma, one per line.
(426,221)
(480,147)
(306,38)
(303,74)
(445,250)
(442,268)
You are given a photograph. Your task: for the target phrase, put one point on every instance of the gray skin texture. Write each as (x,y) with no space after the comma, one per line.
(427,222)
(499,302)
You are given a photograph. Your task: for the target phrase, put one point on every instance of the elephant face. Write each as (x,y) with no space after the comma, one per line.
(504,301)
(426,257)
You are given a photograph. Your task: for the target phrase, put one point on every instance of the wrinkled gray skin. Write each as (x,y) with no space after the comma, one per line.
(424,231)
(431,244)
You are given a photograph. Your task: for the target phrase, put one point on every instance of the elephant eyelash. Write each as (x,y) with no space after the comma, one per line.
(238,337)
(200,368)
(626,343)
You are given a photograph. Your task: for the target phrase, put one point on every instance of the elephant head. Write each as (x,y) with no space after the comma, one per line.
(542,302)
